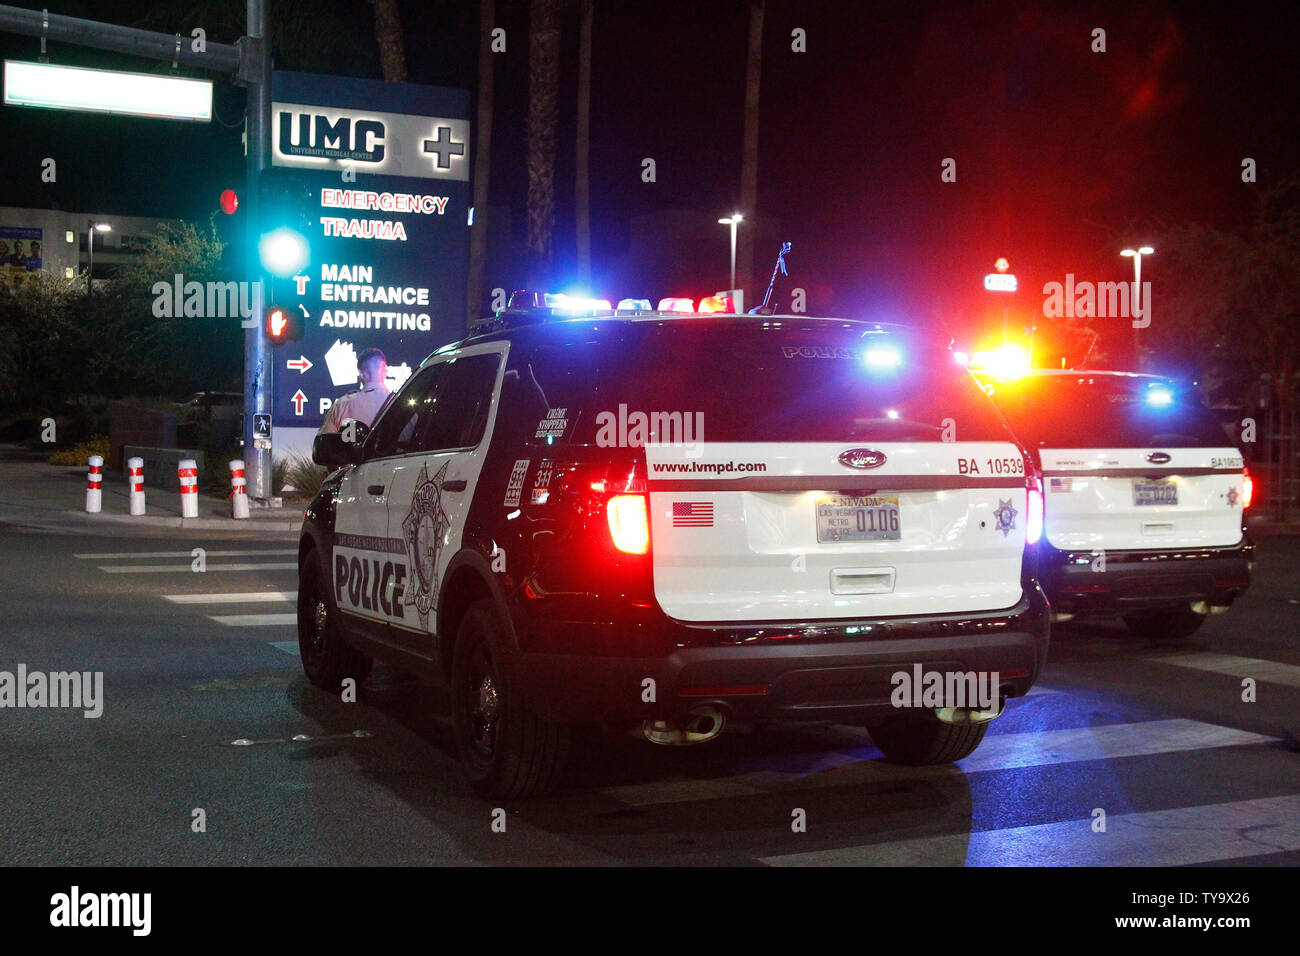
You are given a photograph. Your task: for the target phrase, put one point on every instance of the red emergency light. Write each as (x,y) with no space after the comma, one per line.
(717,303)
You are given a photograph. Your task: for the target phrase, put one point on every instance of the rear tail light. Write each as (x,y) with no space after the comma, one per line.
(1034,513)
(1247,490)
(629,522)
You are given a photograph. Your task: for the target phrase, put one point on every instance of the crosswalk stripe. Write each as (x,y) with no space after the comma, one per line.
(1177,837)
(233,597)
(996,752)
(114,555)
(165,568)
(1269,672)
(253,620)
(1041,748)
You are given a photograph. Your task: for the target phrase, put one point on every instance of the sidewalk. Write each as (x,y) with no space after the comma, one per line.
(32,489)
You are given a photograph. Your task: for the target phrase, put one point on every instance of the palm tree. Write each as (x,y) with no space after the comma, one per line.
(582,184)
(388,33)
(749,157)
(478,233)
(543,89)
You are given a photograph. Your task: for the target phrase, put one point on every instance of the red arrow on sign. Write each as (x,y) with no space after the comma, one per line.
(298,399)
(301,363)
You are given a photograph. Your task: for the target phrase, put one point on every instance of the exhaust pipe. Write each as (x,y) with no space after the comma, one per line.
(698,725)
(970,715)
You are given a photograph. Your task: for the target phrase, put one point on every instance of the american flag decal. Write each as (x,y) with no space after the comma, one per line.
(692,514)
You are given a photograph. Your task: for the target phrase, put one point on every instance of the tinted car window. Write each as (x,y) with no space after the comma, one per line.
(398,427)
(753,381)
(459,412)
(1104,411)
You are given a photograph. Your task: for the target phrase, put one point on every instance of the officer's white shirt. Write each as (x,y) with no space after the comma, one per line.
(363,405)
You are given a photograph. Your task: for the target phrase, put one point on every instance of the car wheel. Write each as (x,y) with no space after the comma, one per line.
(326,660)
(1175,624)
(922,738)
(505,750)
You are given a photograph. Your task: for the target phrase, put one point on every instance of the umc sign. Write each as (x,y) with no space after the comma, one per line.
(375,179)
(366,141)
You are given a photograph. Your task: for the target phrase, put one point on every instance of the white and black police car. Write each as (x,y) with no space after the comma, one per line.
(666,521)
(1146,496)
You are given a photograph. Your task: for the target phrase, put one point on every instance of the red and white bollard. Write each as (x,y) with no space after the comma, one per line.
(135,484)
(238,490)
(188,471)
(94,485)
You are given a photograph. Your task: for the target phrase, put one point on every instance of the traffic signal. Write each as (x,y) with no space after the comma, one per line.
(282,325)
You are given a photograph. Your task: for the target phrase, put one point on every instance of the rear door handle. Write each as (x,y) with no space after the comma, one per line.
(457,485)
(375,489)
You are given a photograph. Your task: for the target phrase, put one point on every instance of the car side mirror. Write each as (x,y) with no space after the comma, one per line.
(335,449)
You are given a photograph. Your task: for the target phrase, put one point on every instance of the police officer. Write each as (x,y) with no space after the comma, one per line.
(364,405)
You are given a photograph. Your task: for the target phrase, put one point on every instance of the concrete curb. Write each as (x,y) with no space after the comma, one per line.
(267,525)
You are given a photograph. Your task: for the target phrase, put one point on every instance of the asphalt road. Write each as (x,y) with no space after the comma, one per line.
(1158,738)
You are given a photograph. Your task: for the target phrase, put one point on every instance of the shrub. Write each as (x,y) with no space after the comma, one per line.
(305,476)
(77,454)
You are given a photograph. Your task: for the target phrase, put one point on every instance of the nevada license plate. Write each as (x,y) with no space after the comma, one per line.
(1160,491)
(858,518)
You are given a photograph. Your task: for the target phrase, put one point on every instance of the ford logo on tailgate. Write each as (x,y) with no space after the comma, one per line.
(862,458)
(1158,458)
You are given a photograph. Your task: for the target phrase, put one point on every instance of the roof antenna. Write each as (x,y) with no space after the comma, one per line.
(765,309)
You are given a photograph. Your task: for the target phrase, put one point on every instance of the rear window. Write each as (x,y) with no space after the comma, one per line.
(1095,411)
(744,381)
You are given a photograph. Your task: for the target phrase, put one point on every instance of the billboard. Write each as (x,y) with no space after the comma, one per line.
(20,253)
(375,177)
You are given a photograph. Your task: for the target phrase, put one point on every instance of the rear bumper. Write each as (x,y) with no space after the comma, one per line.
(1081,583)
(801,679)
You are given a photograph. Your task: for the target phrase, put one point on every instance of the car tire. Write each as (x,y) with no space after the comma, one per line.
(326,659)
(506,751)
(921,739)
(1174,624)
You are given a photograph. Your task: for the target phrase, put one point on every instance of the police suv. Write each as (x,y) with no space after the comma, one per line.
(1145,497)
(668,521)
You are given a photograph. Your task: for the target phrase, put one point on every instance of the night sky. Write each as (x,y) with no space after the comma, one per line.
(1063,155)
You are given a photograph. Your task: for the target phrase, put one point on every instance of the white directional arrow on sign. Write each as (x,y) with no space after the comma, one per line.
(301,364)
(298,399)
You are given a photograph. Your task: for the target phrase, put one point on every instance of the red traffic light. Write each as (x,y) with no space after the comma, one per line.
(282,325)
(229,202)
(277,323)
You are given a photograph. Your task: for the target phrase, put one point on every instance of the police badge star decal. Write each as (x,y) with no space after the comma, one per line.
(423,529)
(1006,515)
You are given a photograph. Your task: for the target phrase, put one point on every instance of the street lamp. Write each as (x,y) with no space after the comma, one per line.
(93,227)
(1136,255)
(733,220)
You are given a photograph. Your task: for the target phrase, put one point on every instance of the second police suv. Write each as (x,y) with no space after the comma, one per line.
(1146,497)
(666,521)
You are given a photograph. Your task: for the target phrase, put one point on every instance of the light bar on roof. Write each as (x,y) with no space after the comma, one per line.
(575,304)
(634,305)
(676,305)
